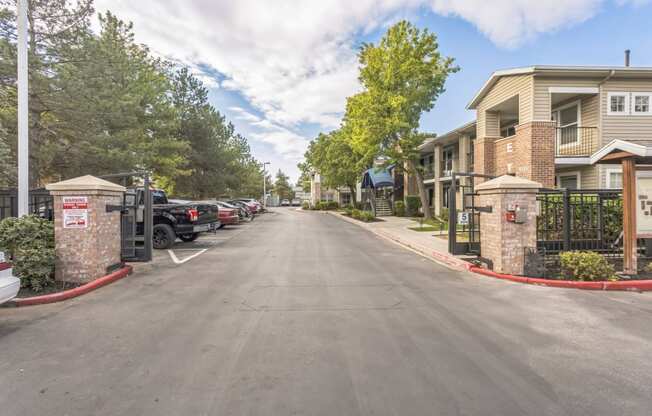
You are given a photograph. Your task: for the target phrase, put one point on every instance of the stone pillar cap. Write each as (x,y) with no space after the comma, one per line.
(508,182)
(85,183)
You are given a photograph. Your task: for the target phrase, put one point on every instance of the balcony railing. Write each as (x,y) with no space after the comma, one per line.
(576,141)
(428,172)
(446,168)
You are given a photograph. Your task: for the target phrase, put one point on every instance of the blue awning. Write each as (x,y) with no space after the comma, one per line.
(377,178)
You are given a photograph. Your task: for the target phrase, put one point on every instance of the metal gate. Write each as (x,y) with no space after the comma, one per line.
(464,225)
(40,203)
(135,217)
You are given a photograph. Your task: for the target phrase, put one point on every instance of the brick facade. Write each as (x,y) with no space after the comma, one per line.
(501,241)
(530,153)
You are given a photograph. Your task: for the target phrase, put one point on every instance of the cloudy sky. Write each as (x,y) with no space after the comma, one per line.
(280,70)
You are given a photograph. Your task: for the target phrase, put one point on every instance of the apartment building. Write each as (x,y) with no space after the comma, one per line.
(544,123)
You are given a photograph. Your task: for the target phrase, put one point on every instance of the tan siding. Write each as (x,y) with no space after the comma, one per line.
(629,127)
(589,176)
(541,97)
(505,88)
(590,111)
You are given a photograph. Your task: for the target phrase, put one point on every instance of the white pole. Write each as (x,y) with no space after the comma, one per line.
(23,138)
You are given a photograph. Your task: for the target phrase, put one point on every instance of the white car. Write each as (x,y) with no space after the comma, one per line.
(9,285)
(285,203)
(296,202)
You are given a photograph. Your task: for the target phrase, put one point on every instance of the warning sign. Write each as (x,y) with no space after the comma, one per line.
(75,212)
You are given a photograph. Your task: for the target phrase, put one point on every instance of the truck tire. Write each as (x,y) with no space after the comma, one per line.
(163,236)
(189,237)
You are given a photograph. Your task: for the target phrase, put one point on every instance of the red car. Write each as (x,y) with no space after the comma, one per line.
(228,216)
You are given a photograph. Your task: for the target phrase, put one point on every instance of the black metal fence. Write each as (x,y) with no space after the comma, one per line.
(40,203)
(569,220)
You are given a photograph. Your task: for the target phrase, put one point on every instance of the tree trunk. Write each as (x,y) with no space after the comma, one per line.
(353,196)
(421,187)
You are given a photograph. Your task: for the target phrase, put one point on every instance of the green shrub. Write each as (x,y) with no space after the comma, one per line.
(305,205)
(367,216)
(348,211)
(412,205)
(586,265)
(29,242)
(399,209)
(444,214)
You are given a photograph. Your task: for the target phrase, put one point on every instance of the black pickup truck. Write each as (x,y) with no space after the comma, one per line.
(185,221)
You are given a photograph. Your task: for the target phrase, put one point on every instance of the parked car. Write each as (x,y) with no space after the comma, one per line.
(253,202)
(243,213)
(285,203)
(228,216)
(251,208)
(9,285)
(184,220)
(296,202)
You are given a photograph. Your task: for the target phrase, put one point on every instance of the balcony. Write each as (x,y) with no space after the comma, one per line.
(428,172)
(446,168)
(575,142)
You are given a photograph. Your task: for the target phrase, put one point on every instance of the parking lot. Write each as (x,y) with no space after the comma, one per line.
(184,252)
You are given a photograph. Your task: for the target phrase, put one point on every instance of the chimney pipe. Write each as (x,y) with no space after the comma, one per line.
(627,53)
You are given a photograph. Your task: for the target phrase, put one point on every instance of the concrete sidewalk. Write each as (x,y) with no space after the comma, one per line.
(397,229)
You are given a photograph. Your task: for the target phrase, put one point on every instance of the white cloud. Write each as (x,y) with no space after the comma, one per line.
(295,60)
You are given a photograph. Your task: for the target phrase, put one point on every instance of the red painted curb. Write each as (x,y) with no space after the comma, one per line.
(73,293)
(633,285)
(5,266)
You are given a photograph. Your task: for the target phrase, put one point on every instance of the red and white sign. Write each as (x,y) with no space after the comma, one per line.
(75,212)
(75,202)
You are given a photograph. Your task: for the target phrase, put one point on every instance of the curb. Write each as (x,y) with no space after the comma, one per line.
(454,263)
(73,293)
(632,285)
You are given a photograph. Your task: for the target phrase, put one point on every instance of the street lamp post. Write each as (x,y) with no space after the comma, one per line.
(265,185)
(23,138)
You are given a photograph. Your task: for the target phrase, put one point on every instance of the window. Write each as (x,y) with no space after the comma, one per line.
(614,178)
(568,180)
(618,103)
(568,120)
(508,131)
(447,162)
(445,195)
(641,103)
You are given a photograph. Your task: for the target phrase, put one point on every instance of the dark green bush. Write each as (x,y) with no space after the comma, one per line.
(444,214)
(586,265)
(305,205)
(412,205)
(399,209)
(29,242)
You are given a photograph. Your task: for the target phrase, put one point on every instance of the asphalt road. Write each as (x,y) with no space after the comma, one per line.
(305,314)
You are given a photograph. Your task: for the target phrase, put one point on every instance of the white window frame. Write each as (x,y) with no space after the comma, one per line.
(627,108)
(633,103)
(557,110)
(576,173)
(607,177)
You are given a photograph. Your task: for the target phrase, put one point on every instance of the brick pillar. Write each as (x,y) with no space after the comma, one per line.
(484,161)
(87,238)
(543,152)
(501,241)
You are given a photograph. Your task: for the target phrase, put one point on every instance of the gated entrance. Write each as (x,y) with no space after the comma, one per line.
(464,225)
(136,217)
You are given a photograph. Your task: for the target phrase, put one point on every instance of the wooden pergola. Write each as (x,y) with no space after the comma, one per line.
(628,155)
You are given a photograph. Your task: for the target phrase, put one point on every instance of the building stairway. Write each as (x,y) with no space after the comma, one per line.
(383,208)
